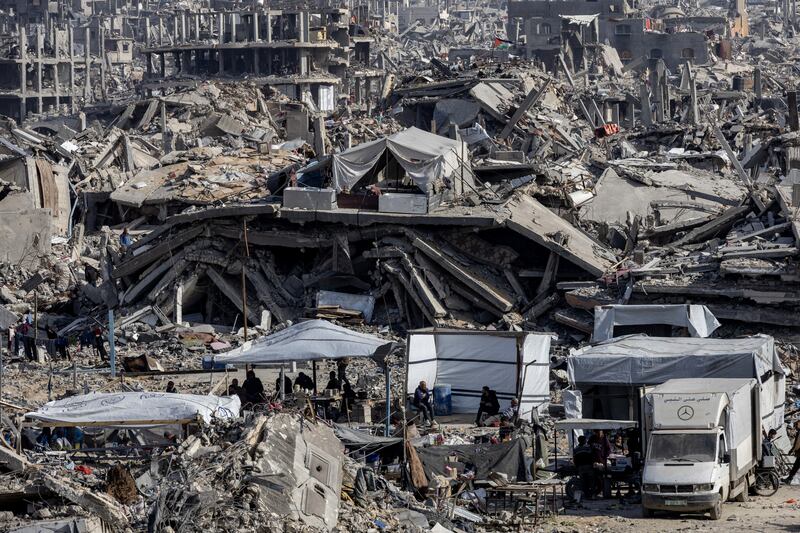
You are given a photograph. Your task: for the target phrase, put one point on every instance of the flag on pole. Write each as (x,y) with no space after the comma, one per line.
(501,43)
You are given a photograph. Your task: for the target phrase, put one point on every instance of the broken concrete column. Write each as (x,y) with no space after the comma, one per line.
(646,111)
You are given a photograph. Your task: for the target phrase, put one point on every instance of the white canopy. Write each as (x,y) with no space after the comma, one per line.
(306,341)
(141,409)
(424,156)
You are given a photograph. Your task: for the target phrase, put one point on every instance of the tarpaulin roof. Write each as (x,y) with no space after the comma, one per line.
(134,409)
(641,360)
(697,318)
(424,156)
(306,341)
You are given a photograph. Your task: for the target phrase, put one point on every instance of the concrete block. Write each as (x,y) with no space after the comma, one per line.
(309,198)
(403,203)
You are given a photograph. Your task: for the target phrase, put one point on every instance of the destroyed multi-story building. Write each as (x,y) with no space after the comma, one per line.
(304,54)
(546,29)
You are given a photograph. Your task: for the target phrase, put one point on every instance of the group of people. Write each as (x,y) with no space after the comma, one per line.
(252,391)
(489,413)
(22,337)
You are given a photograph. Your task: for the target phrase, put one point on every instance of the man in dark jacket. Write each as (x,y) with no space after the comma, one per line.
(423,401)
(489,406)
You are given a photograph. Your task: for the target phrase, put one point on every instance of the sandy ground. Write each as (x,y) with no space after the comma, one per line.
(778,513)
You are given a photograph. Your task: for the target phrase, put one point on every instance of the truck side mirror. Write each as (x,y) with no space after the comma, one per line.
(726,458)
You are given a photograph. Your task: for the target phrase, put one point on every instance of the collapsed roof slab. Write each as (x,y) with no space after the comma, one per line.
(476,217)
(536,222)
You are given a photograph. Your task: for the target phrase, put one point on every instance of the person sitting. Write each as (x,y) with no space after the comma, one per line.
(583,459)
(253,388)
(333,382)
(171,388)
(619,447)
(509,414)
(287,385)
(489,405)
(423,401)
(234,389)
(304,381)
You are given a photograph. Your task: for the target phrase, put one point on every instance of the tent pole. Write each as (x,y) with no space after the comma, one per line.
(283,392)
(314,374)
(388,398)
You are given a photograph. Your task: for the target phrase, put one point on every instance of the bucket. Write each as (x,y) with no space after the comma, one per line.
(442,402)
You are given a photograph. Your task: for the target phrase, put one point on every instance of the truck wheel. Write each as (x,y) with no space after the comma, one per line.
(716,511)
(647,513)
(744,496)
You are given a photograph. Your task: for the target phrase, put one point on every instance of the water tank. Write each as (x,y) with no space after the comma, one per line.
(442,402)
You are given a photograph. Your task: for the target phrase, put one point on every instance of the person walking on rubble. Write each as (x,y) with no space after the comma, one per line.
(423,401)
(99,344)
(796,452)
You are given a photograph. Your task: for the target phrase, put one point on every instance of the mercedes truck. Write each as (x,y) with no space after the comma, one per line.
(703,442)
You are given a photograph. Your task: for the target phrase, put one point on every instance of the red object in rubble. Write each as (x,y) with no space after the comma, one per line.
(85,470)
(606,130)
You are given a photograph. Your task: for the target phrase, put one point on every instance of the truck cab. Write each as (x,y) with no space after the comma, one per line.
(686,470)
(703,440)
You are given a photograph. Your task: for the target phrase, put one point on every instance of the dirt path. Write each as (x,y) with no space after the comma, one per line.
(778,513)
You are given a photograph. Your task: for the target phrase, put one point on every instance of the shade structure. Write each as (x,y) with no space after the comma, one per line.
(138,409)
(307,341)
(594,423)
(426,158)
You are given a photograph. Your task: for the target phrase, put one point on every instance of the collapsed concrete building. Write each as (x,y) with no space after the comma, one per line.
(303,54)
(545,28)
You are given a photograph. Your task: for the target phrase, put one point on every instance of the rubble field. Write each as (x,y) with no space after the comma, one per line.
(210,209)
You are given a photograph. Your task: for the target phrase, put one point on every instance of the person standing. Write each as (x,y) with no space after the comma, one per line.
(796,452)
(99,344)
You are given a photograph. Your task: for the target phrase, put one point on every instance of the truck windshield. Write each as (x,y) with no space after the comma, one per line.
(688,447)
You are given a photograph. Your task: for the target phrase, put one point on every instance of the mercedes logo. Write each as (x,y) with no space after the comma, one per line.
(685,412)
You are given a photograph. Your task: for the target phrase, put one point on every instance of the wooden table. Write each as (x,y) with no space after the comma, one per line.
(517,497)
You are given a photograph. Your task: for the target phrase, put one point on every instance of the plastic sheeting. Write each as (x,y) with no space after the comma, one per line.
(516,366)
(697,318)
(639,360)
(424,156)
(306,341)
(141,409)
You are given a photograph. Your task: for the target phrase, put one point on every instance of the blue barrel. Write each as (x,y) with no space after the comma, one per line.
(442,401)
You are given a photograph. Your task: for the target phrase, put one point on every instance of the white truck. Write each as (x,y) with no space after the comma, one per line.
(703,443)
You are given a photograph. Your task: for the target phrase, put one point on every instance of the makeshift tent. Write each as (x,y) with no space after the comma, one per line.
(515,364)
(696,318)
(137,409)
(607,372)
(305,341)
(432,162)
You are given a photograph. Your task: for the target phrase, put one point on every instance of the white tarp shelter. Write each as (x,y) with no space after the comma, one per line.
(432,162)
(138,409)
(515,364)
(612,367)
(696,318)
(305,341)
